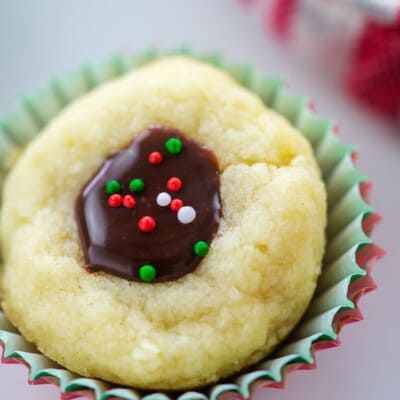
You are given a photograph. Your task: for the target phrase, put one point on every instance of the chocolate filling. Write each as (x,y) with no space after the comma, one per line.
(170,243)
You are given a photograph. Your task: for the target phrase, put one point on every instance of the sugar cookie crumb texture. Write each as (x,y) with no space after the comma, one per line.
(248,291)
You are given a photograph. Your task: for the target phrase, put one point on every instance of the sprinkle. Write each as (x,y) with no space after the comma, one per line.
(176,204)
(147,273)
(200,248)
(115,200)
(155,158)
(147,224)
(113,186)
(163,199)
(136,185)
(129,201)
(186,215)
(174,145)
(174,184)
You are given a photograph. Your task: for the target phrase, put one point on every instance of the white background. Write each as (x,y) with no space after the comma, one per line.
(42,38)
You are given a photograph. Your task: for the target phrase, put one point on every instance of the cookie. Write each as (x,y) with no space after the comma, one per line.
(257,207)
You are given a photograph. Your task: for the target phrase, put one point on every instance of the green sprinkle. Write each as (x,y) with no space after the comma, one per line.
(174,145)
(147,273)
(113,187)
(200,248)
(136,185)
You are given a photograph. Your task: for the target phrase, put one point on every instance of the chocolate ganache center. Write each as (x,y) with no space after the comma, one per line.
(150,212)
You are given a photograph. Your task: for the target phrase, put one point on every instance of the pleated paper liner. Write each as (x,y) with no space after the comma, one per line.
(350,252)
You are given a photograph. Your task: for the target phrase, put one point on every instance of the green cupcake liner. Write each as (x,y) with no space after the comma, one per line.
(349,249)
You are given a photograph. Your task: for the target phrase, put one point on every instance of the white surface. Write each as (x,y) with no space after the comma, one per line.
(42,38)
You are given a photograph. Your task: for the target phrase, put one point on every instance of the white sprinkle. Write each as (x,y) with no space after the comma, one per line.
(186,215)
(163,199)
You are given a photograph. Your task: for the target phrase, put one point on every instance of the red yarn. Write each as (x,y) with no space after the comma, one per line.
(374,72)
(282,17)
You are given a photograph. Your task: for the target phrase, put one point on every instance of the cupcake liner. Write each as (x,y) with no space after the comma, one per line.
(350,252)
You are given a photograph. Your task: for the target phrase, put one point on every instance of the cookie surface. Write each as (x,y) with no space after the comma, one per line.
(242,299)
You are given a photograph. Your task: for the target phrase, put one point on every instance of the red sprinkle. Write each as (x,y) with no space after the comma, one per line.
(155,158)
(147,224)
(176,204)
(115,200)
(129,201)
(174,184)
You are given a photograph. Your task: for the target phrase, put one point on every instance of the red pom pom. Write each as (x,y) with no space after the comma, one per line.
(155,158)
(147,224)
(115,200)
(174,184)
(176,204)
(129,201)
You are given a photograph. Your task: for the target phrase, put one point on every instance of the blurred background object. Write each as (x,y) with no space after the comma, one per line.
(355,41)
